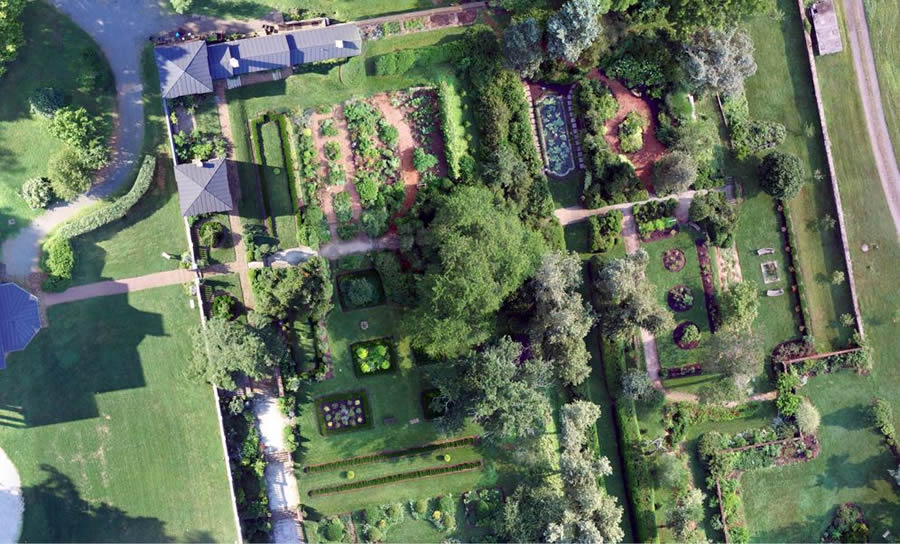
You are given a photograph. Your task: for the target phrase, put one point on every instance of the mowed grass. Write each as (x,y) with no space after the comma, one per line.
(883,17)
(342,10)
(566,190)
(50,57)
(781,90)
(133,245)
(111,441)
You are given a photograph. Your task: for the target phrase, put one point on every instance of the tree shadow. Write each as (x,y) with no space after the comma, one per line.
(58,513)
(57,378)
(851,418)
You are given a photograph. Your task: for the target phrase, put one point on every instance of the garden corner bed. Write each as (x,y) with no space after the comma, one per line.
(555,135)
(374,357)
(343,412)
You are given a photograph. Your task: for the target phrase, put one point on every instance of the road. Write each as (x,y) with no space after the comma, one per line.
(876,124)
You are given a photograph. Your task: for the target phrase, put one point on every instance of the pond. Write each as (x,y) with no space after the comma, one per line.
(555,136)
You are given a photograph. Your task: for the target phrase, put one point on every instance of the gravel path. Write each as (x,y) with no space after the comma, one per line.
(876,125)
(12,505)
(576,214)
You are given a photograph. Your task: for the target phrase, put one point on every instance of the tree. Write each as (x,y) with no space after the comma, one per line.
(740,305)
(37,192)
(719,60)
(359,291)
(181,6)
(528,512)
(686,16)
(223,348)
(83,133)
(573,28)
(670,471)
(301,291)
(68,175)
(627,299)
(497,390)
(12,35)
(895,474)
(482,253)
(781,175)
(522,47)
(716,216)
(636,385)
(45,101)
(576,418)
(808,417)
(674,173)
(687,511)
(561,318)
(736,353)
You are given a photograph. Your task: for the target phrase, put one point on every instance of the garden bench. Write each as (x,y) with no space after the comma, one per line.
(765,251)
(774,292)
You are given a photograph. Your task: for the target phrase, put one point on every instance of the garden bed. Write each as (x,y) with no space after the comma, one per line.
(343,412)
(683,371)
(674,259)
(682,331)
(554,133)
(360,289)
(709,289)
(680,298)
(374,357)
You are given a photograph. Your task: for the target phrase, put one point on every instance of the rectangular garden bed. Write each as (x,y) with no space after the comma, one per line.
(361,289)
(344,412)
(374,357)
(555,136)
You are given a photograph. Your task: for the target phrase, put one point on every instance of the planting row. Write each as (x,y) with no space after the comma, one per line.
(396,454)
(412,475)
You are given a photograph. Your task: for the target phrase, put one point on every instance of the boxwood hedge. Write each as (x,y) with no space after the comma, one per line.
(412,475)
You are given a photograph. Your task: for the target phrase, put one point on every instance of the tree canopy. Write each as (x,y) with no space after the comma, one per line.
(223,348)
(736,353)
(686,16)
(628,300)
(740,305)
(574,28)
(781,175)
(303,291)
(716,216)
(12,34)
(719,60)
(522,47)
(674,173)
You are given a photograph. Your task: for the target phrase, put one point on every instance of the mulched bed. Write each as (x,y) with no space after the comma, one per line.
(683,371)
(791,452)
(467,17)
(675,301)
(660,235)
(673,260)
(679,332)
(709,288)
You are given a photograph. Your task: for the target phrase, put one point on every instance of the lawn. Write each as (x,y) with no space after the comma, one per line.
(670,355)
(782,90)
(50,57)
(133,245)
(112,442)
(342,10)
(883,17)
(566,190)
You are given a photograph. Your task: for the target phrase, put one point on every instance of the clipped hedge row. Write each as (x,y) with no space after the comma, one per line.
(116,210)
(388,455)
(455,146)
(412,475)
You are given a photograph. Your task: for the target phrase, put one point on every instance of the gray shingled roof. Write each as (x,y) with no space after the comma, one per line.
(331,42)
(220,61)
(203,187)
(19,319)
(183,69)
(260,54)
(825,23)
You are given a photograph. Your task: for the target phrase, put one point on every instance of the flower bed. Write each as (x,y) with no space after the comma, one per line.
(656,219)
(343,412)
(674,260)
(555,136)
(680,298)
(686,335)
(683,371)
(374,357)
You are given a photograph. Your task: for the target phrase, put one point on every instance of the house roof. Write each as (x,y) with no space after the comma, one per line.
(825,23)
(183,69)
(19,319)
(330,42)
(260,54)
(203,187)
(220,61)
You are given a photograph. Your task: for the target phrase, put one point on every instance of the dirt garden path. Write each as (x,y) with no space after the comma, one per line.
(876,125)
(12,504)
(644,158)
(406,143)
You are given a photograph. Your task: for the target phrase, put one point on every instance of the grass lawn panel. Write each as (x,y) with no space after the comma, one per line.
(224,252)
(111,440)
(794,503)
(206,116)
(303,344)
(782,91)
(133,245)
(670,355)
(883,18)
(50,57)
(566,190)
(281,207)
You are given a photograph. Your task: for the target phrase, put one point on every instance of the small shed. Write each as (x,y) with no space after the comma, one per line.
(825,25)
(20,319)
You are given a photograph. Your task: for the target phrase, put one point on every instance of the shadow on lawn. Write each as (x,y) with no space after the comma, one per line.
(56,512)
(851,418)
(56,379)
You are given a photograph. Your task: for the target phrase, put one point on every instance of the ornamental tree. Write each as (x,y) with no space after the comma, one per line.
(573,28)
(223,348)
(719,60)
(37,192)
(781,175)
(740,305)
(674,173)
(522,47)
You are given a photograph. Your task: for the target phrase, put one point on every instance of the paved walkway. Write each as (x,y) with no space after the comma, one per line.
(869,90)
(117,287)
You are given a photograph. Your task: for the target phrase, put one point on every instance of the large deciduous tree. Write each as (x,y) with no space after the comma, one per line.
(716,216)
(304,291)
(736,353)
(12,35)
(561,318)
(223,348)
(781,175)
(483,253)
(674,173)
(686,16)
(740,305)
(522,47)
(627,299)
(719,60)
(573,28)
(685,514)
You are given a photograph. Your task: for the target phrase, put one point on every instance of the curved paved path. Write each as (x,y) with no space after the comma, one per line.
(869,90)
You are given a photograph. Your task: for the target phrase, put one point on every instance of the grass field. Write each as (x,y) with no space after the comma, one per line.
(25,144)
(782,91)
(883,17)
(276,185)
(112,442)
(342,10)
(566,190)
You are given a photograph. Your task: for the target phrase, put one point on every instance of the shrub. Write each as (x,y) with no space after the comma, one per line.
(631,132)
(781,175)
(58,262)
(117,209)
(223,307)
(387,133)
(37,192)
(83,133)
(455,146)
(788,400)
(328,128)
(674,173)
(605,230)
(351,475)
(597,103)
(883,418)
(347,230)
(359,291)
(343,207)
(334,530)
(332,150)
(386,65)
(690,335)
(754,136)
(210,234)
(423,161)
(69,176)
(367,187)
(375,222)
(45,101)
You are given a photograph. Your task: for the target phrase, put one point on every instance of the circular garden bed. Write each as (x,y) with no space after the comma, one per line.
(673,259)
(680,298)
(686,335)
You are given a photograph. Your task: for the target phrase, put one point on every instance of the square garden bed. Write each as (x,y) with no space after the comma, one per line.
(362,289)
(344,412)
(374,357)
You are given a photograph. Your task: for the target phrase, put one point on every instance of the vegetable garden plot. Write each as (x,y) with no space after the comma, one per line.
(555,136)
